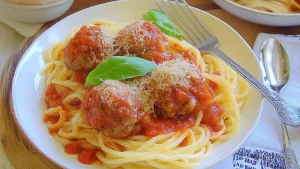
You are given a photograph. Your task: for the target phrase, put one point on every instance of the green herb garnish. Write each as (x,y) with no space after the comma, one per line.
(163,23)
(119,68)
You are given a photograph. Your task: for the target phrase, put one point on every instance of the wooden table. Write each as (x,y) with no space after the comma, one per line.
(15,145)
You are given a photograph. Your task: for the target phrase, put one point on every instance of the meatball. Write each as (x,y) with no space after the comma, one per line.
(114,108)
(140,37)
(160,57)
(88,48)
(178,89)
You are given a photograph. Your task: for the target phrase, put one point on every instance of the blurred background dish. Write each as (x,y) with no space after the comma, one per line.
(259,16)
(275,6)
(33,2)
(34,11)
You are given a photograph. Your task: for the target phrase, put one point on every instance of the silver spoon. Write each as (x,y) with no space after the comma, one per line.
(276,72)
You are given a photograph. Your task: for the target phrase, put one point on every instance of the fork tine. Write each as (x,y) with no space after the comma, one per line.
(165,10)
(190,24)
(199,25)
(184,21)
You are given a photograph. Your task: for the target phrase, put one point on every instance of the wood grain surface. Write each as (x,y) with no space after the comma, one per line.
(18,149)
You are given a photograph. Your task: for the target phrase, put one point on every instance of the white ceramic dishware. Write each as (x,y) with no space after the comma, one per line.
(35,13)
(258,16)
(28,84)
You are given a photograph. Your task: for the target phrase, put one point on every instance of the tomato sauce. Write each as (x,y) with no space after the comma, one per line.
(181,95)
(157,48)
(76,103)
(92,108)
(185,142)
(202,94)
(212,116)
(152,126)
(53,97)
(189,55)
(213,113)
(213,86)
(53,118)
(100,112)
(159,57)
(73,149)
(88,156)
(87,41)
(155,40)
(53,131)
(80,76)
(85,155)
(120,147)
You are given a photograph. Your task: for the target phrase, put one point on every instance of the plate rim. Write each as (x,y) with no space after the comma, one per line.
(17,119)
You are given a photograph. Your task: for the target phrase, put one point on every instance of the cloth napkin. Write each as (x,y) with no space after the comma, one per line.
(263,149)
(25,29)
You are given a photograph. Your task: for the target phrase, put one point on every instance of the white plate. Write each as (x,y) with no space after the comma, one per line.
(29,87)
(258,16)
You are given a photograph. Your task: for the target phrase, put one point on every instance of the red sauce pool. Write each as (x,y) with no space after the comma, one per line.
(73,149)
(153,127)
(80,76)
(53,119)
(53,97)
(85,155)
(185,142)
(212,116)
(53,131)
(213,86)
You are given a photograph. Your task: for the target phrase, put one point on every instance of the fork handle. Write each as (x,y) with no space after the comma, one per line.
(286,113)
(289,155)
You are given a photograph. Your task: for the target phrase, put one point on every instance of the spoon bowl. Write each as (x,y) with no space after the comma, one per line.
(275,63)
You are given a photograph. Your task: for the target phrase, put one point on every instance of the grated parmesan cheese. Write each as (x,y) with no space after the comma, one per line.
(163,78)
(130,40)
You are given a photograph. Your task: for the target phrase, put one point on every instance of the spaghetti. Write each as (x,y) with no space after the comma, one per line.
(164,143)
(276,6)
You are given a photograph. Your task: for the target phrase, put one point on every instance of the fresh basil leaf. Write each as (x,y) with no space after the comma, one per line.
(163,23)
(119,68)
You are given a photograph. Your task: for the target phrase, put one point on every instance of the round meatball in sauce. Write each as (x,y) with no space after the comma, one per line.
(178,89)
(88,48)
(139,38)
(114,108)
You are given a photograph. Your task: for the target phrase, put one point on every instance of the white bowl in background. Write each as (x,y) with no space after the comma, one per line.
(37,13)
(258,16)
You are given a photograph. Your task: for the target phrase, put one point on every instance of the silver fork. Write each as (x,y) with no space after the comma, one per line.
(198,34)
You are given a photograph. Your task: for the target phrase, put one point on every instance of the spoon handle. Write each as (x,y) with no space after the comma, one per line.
(289,155)
(287,114)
